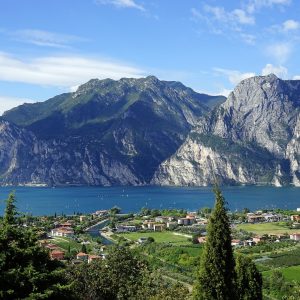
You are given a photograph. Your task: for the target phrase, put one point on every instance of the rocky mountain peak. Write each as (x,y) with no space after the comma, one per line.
(251,138)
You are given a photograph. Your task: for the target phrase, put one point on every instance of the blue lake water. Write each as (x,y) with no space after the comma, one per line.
(46,201)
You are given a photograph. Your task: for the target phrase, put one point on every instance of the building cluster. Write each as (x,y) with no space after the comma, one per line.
(259,217)
(161,223)
(63,229)
(100,213)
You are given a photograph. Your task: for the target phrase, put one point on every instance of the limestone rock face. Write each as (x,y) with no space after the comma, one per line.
(252,138)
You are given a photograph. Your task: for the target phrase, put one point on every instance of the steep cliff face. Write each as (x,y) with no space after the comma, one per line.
(252,138)
(106,133)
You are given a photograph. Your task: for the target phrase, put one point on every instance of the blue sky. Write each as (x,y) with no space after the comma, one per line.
(51,47)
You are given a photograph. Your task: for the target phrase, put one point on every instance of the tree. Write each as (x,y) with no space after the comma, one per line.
(117,277)
(83,248)
(121,276)
(115,210)
(246,210)
(216,274)
(26,270)
(249,280)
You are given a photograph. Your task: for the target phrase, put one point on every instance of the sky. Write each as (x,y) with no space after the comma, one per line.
(50,47)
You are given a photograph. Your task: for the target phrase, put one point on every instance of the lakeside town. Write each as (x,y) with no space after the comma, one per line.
(85,237)
(170,242)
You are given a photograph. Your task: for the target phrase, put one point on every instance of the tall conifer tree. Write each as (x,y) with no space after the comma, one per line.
(216,277)
(249,280)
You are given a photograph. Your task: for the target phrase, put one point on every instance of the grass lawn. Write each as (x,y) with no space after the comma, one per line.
(289,273)
(266,228)
(159,237)
(292,273)
(64,243)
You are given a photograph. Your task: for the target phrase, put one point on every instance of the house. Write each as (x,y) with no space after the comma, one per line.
(148,225)
(295,236)
(159,227)
(82,218)
(82,256)
(57,254)
(161,219)
(172,225)
(235,243)
(51,246)
(191,217)
(62,231)
(271,217)
(101,213)
(185,221)
(202,221)
(92,258)
(126,228)
(201,239)
(69,223)
(249,243)
(257,239)
(295,218)
(255,218)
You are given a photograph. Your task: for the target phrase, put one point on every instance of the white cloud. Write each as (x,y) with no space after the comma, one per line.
(280,51)
(290,25)
(234,76)
(254,5)
(62,71)
(242,17)
(122,4)
(296,77)
(279,71)
(44,38)
(7,103)
(230,23)
(237,16)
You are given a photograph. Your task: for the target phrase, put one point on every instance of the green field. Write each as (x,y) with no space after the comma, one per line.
(64,243)
(266,228)
(159,237)
(290,273)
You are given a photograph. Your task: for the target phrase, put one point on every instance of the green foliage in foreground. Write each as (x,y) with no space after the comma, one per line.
(121,276)
(26,270)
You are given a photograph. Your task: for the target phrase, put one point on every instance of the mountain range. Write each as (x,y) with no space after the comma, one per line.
(106,133)
(147,131)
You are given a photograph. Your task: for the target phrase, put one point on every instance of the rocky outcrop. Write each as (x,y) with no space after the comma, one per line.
(252,138)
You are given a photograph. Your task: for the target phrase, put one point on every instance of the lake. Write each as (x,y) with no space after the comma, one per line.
(46,201)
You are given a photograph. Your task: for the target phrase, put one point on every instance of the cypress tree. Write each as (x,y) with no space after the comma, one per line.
(216,276)
(249,280)
(10,210)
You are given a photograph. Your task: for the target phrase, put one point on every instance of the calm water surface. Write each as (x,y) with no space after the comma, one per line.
(46,201)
